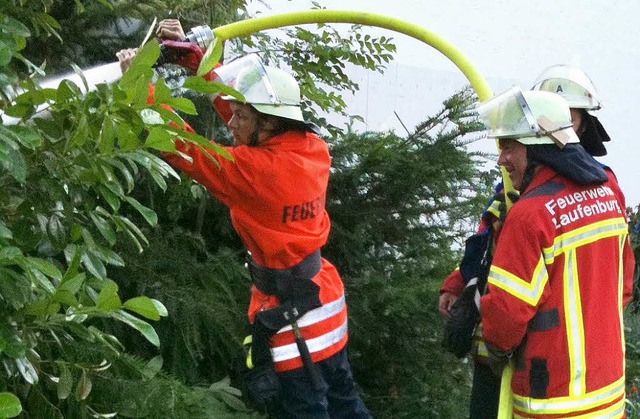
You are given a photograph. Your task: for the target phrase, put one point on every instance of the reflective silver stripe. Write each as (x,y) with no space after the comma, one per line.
(574,326)
(527,292)
(319,314)
(614,411)
(584,235)
(290,351)
(560,405)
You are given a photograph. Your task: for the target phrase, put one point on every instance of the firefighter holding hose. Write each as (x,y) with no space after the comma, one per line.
(275,188)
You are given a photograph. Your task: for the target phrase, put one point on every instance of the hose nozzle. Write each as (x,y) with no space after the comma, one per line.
(201,35)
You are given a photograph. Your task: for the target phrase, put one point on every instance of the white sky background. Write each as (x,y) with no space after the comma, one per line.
(508,42)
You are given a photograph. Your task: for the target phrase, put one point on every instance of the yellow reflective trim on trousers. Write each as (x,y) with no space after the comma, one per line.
(529,292)
(560,405)
(614,411)
(574,325)
(584,235)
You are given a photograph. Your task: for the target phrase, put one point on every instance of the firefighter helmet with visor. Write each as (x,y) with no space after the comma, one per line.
(572,84)
(530,117)
(269,90)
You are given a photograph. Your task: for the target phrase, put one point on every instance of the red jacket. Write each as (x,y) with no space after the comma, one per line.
(557,287)
(276,196)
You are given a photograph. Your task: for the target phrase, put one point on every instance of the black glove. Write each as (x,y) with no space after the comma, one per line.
(498,359)
(502,207)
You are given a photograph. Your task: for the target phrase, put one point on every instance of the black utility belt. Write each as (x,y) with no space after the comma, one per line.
(275,281)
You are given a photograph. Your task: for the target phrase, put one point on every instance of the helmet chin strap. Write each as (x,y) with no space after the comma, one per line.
(254,139)
(527,177)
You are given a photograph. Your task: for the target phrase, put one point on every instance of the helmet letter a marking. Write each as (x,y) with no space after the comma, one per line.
(559,89)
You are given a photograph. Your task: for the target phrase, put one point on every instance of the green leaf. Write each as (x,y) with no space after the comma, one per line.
(107,136)
(73,283)
(152,368)
(65,384)
(162,310)
(62,297)
(104,227)
(127,138)
(141,326)
(10,254)
(13,26)
(132,230)
(112,199)
(109,256)
(26,136)
(108,299)
(140,68)
(211,57)
(147,55)
(10,405)
(46,307)
(149,215)
(6,52)
(27,370)
(72,255)
(15,164)
(81,134)
(93,264)
(67,90)
(160,139)
(183,105)
(198,84)
(143,306)
(84,386)
(45,267)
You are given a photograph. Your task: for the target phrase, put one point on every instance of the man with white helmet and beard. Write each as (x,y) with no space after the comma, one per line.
(575,86)
(559,273)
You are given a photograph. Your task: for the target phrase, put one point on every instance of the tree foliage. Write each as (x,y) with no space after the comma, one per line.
(66,200)
(398,206)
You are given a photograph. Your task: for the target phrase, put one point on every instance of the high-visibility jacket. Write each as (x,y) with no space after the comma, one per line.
(557,287)
(276,196)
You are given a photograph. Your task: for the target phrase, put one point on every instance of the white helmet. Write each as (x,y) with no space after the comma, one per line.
(268,89)
(530,117)
(572,84)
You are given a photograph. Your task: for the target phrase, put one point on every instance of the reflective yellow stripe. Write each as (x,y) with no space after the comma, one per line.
(529,292)
(247,344)
(480,346)
(561,405)
(584,235)
(623,241)
(494,209)
(574,326)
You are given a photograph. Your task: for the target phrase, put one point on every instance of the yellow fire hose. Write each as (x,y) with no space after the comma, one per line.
(478,83)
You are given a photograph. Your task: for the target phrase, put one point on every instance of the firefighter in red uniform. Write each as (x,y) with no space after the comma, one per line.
(576,87)
(557,284)
(275,188)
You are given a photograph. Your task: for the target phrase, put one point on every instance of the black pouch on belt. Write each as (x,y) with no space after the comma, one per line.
(297,294)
